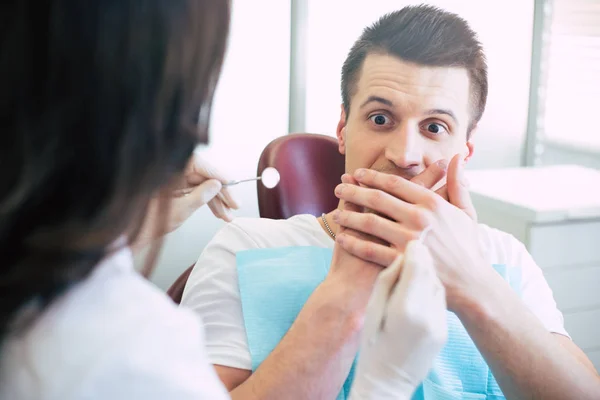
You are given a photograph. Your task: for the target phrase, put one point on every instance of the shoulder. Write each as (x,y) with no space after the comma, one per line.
(212,290)
(536,294)
(109,307)
(501,247)
(245,233)
(216,267)
(113,333)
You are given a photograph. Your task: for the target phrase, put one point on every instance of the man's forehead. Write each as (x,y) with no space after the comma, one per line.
(399,81)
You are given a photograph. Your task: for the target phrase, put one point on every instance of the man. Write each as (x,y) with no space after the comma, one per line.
(414,87)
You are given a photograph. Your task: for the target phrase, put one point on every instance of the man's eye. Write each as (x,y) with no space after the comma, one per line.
(434,128)
(379,119)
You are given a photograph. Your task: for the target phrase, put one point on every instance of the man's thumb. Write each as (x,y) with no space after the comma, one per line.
(458,187)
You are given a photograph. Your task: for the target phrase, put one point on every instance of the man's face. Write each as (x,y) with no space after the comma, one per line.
(404,117)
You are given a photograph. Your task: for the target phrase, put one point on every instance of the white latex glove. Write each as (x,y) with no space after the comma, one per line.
(405,328)
(201,184)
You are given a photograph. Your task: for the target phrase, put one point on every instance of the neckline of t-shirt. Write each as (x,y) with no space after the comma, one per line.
(321,235)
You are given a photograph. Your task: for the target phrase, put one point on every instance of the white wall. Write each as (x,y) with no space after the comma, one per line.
(251,107)
(250,110)
(505,29)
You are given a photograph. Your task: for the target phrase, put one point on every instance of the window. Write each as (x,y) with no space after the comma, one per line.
(566,94)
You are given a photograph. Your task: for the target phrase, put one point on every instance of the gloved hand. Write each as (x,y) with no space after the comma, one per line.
(405,328)
(201,184)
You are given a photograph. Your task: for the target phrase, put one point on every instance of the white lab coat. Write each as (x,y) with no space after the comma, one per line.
(112,336)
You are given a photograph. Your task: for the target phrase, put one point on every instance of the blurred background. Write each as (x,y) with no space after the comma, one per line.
(282,75)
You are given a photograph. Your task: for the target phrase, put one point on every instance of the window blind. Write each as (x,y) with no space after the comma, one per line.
(570,92)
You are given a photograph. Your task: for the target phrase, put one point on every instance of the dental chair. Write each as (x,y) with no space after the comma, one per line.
(310,166)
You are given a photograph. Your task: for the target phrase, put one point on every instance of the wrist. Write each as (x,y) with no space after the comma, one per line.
(331,314)
(480,301)
(341,304)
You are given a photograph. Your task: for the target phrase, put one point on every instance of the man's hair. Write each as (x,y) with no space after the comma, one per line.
(423,35)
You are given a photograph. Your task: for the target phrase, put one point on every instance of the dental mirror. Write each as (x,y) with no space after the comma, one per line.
(269,177)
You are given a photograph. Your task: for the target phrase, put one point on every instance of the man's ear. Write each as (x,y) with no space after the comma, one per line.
(470,146)
(341,132)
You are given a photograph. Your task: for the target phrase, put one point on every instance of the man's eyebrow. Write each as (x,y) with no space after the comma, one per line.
(377,99)
(442,111)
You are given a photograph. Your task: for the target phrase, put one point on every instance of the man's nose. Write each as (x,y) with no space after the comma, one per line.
(404,148)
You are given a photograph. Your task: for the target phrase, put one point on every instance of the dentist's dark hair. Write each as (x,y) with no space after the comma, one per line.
(101,105)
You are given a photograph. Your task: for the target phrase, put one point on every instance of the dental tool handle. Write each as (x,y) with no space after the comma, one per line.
(232,183)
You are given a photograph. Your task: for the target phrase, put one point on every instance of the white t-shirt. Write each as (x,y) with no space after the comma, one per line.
(212,290)
(112,336)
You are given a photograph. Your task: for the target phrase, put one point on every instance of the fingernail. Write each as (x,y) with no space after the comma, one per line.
(336,215)
(359,173)
(339,189)
(443,164)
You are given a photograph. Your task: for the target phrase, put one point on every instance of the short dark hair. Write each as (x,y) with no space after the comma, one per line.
(101,107)
(423,35)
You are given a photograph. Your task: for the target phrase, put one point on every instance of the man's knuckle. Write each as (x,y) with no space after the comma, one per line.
(370,222)
(369,251)
(350,190)
(392,182)
(375,197)
(421,218)
(433,203)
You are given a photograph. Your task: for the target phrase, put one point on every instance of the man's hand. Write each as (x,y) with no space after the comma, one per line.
(350,279)
(356,275)
(410,209)
(405,328)
(316,354)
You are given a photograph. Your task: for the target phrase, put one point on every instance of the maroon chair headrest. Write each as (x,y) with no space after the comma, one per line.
(310,166)
(175,292)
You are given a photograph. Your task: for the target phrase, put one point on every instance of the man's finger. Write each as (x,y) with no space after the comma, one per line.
(432,174)
(376,226)
(393,185)
(382,202)
(443,192)
(458,188)
(347,178)
(367,250)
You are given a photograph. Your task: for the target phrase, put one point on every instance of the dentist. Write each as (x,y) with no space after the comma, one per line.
(99,111)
